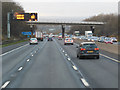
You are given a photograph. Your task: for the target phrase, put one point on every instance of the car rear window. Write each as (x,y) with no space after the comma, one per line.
(33,39)
(68,39)
(108,39)
(89,46)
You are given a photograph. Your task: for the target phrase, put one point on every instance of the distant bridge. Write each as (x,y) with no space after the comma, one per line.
(64,23)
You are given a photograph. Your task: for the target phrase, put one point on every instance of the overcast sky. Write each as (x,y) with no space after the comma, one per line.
(70,8)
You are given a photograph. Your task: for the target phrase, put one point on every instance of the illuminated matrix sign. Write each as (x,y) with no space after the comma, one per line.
(25,16)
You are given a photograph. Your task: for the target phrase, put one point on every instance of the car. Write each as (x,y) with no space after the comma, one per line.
(33,41)
(108,40)
(89,38)
(68,41)
(101,39)
(94,39)
(87,49)
(74,37)
(114,39)
(83,37)
(67,36)
(60,37)
(50,39)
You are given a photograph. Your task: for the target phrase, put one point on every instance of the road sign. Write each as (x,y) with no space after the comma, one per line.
(20,16)
(60,33)
(25,16)
(26,33)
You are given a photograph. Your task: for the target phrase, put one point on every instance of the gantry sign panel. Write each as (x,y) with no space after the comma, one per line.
(25,16)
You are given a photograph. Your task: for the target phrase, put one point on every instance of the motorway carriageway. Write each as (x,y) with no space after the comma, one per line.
(51,64)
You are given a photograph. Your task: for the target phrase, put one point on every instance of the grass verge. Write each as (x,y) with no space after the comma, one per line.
(13,43)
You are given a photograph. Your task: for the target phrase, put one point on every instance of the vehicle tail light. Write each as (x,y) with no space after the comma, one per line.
(82,49)
(71,40)
(96,49)
(65,41)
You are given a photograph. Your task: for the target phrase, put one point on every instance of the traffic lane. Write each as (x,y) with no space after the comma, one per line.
(50,70)
(10,60)
(105,61)
(102,73)
(11,47)
(105,49)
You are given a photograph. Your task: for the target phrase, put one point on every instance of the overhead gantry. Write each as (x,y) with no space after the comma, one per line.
(62,23)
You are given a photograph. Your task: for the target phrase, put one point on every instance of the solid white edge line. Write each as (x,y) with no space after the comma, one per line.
(5,84)
(85,82)
(110,58)
(20,68)
(75,68)
(13,50)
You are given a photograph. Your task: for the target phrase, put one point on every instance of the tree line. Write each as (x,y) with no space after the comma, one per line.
(109,29)
(16,26)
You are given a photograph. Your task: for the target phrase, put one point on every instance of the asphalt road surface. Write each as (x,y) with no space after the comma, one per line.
(51,64)
(11,47)
(46,68)
(102,73)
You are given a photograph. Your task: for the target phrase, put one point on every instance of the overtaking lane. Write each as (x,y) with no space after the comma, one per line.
(101,73)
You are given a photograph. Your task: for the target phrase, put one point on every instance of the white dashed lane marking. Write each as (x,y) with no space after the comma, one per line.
(75,68)
(28,60)
(68,59)
(5,84)
(20,68)
(65,54)
(85,82)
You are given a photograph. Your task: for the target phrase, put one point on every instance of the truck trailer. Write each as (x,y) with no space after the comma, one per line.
(88,33)
(39,35)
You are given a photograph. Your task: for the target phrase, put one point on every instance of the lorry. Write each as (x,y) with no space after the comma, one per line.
(77,33)
(88,34)
(39,35)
